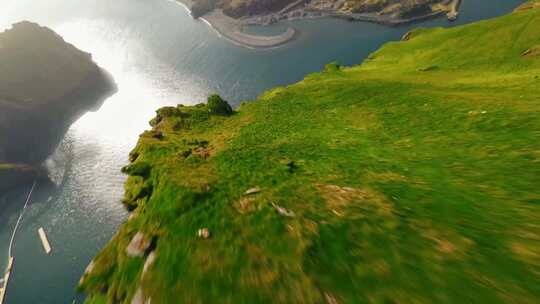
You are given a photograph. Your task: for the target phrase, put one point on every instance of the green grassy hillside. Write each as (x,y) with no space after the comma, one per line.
(412,178)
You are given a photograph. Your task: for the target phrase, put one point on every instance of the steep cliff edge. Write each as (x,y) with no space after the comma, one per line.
(412,178)
(45,85)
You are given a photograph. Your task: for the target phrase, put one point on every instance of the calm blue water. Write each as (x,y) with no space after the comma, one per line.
(158,56)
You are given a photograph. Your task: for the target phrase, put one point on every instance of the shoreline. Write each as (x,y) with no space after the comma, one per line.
(232,29)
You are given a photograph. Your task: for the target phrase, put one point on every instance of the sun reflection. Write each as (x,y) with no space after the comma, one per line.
(98,143)
(144,82)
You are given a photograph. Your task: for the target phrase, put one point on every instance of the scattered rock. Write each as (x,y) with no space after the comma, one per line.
(149,261)
(283,211)
(527,6)
(138,245)
(474,113)
(428,68)
(87,271)
(245,205)
(532,52)
(252,191)
(338,199)
(330,299)
(407,36)
(89,268)
(157,135)
(132,215)
(201,152)
(138,298)
(133,156)
(203,233)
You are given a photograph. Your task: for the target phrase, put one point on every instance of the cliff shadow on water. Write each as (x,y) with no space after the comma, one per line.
(46,85)
(30,133)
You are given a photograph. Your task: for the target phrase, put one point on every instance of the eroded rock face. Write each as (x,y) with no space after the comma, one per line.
(45,85)
(138,245)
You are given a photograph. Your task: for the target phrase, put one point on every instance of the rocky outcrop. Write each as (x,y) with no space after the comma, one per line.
(138,246)
(532,4)
(532,52)
(45,85)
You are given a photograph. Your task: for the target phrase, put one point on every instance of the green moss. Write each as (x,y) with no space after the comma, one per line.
(407,186)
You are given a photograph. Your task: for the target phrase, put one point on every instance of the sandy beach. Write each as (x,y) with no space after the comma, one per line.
(231,29)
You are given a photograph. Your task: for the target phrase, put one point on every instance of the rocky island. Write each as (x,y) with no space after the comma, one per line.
(229,17)
(45,85)
(411,178)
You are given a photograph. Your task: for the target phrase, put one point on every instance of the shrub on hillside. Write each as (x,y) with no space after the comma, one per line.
(216,105)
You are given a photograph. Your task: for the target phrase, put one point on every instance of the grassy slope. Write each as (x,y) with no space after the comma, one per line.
(414,178)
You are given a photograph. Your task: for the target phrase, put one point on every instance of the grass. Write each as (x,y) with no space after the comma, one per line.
(413,179)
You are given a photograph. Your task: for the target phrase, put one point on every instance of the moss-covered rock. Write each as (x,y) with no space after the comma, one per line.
(332,67)
(218,106)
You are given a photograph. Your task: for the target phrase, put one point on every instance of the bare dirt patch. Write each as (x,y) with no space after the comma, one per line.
(338,198)
(532,52)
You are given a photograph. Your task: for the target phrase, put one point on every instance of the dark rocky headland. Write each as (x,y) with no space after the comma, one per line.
(45,85)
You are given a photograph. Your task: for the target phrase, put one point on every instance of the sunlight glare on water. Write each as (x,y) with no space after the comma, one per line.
(126,114)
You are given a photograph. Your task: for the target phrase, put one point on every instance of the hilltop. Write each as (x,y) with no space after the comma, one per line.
(411,178)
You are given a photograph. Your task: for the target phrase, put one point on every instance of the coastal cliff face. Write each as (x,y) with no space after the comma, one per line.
(45,85)
(390,9)
(412,178)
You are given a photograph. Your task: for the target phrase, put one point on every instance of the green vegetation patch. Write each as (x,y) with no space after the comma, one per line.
(412,178)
